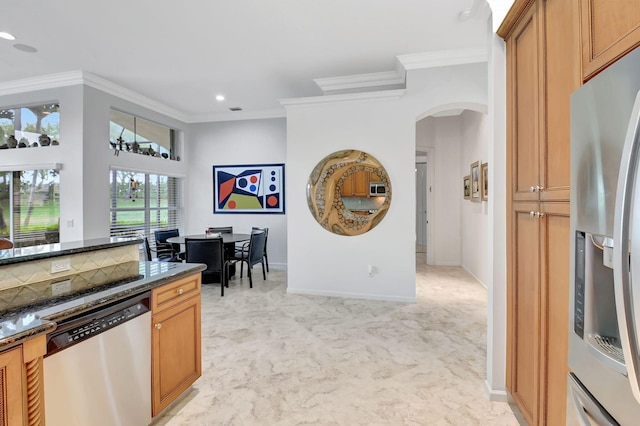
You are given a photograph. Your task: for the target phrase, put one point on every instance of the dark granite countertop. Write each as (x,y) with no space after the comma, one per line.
(33,309)
(25,254)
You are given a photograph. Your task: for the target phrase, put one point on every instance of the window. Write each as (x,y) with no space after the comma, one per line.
(30,207)
(142,203)
(140,136)
(33,126)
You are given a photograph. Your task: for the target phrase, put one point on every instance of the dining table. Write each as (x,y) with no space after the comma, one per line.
(229,241)
(227,238)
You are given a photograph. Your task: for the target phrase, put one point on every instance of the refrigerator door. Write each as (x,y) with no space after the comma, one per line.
(583,409)
(628,297)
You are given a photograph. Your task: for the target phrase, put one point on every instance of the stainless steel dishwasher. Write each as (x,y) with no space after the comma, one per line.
(97,370)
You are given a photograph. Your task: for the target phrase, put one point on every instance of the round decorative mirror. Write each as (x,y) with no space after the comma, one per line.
(349,192)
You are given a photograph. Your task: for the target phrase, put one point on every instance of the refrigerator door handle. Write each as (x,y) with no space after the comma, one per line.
(588,411)
(626,203)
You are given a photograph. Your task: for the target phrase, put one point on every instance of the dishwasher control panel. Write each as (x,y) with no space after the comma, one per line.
(87,325)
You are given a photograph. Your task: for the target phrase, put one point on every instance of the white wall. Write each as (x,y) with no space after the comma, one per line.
(496,238)
(232,143)
(476,252)
(386,128)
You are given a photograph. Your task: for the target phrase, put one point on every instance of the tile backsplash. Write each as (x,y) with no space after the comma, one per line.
(19,274)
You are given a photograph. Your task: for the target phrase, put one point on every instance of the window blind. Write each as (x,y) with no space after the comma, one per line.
(142,203)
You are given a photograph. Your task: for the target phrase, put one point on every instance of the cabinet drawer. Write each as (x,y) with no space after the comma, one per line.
(175,292)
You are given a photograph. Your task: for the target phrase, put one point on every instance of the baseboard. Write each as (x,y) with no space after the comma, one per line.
(494,394)
(351,295)
(474,276)
(278,266)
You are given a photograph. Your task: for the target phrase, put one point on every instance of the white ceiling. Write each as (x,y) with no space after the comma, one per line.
(255,52)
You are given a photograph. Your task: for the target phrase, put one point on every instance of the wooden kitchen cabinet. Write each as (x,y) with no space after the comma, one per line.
(356,185)
(21,386)
(610,29)
(176,340)
(543,69)
(11,387)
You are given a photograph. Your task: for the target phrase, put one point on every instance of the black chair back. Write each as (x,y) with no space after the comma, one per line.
(209,251)
(221,229)
(163,248)
(256,247)
(266,241)
(147,249)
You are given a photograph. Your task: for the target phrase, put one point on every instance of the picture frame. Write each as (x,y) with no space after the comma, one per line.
(484,179)
(475,181)
(249,188)
(466,187)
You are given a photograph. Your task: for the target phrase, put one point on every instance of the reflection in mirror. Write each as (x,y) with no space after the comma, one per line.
(349,192)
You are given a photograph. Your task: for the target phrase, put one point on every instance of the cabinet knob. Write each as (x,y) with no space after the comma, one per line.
(539,188)
(539,215)
(158,326)
(180,291)
(532,213)
(532,189)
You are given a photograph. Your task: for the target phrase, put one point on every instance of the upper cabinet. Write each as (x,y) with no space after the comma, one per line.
(543,71)
(610,28)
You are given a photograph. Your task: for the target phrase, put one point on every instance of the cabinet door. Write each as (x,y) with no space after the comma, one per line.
(555,260)
(523,133)
(176,361)
(11,388)
(347,187)
(361,184)
(523,309)
(610,28)
(561,78)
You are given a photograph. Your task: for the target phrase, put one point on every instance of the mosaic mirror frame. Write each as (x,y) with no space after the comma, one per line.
(324,195)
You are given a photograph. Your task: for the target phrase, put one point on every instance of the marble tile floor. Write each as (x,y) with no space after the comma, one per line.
(272,358)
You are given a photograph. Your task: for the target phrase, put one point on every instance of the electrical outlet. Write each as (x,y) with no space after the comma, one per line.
(60,265)
(60,287)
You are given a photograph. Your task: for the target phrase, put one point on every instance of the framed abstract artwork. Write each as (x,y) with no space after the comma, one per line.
(252,188)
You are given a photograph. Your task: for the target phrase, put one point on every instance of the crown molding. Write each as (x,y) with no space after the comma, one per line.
(441,58)
(349,97)
(387,78)
(239,115)
(111,88)
(51,81)
(73,78)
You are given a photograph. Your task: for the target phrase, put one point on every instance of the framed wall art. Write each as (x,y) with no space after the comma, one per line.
(466,184)
(475,181)
(253,188)
(484,178)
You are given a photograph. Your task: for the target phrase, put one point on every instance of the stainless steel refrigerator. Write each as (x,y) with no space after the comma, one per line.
(604,336)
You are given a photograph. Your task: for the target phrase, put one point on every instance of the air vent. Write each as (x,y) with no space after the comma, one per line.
(235,109)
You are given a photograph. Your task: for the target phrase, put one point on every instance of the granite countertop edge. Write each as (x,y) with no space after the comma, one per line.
(49,315)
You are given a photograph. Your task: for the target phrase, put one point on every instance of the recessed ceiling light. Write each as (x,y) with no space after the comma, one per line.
(219,98)
(7,36)
(25,48)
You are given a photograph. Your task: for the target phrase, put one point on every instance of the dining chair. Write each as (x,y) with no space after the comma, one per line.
(164,250)
(209,251)
(221,229)
(252,254)
(266,240)
(148,252)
